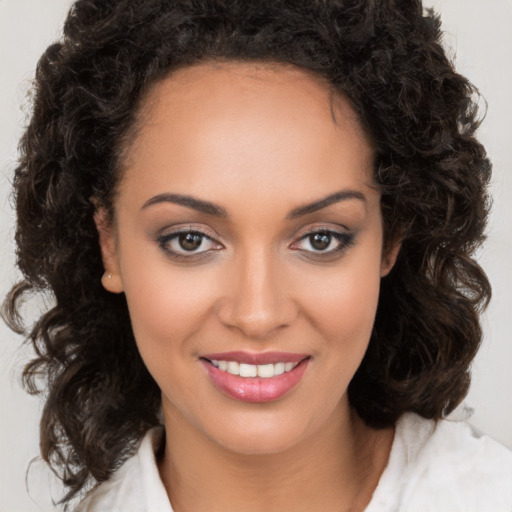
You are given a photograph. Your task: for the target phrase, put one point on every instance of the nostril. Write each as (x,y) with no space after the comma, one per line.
(256,310)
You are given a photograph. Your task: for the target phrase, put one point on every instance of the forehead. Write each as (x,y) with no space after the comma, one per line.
(214,80)
(247,124)
(223,88)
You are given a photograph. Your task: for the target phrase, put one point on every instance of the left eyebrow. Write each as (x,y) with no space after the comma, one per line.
(342,195)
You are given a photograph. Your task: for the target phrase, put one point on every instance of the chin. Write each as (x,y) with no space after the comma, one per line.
(262,433)
(260,443)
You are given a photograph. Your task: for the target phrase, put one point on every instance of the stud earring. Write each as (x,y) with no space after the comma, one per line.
(108,276)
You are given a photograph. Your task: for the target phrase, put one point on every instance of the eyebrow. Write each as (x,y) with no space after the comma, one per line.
(189,202)
(342,195)
(212,209)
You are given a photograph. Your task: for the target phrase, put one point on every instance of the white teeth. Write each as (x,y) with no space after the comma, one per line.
(279,368)
(248,370)
(265,371)
(233,367)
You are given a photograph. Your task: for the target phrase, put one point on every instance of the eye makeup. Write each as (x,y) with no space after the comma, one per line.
(324,244)
(188,244)
(193,244)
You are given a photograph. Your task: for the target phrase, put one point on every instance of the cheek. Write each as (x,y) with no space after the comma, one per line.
(167,304)
(343,308)
(168,308)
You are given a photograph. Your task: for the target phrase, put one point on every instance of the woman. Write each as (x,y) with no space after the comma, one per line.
(257,220)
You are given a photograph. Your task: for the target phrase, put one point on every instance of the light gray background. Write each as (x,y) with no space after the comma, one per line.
(481,40)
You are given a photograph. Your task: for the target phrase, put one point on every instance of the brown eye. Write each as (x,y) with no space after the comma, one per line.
(190,241)
(323,243)
(187,244)
(320,241)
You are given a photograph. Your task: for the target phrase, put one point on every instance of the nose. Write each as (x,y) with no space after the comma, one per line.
(258,301)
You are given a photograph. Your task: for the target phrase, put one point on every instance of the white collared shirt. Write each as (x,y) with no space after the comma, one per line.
(443,467)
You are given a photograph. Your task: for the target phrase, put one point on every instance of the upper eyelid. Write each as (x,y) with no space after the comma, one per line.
(170,231)
(173,234)
(298,234)
(334,232)
(321,228)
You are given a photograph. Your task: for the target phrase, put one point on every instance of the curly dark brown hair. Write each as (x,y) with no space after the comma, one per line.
(386,57)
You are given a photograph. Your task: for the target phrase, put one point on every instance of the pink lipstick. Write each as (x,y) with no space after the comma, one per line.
(256,378)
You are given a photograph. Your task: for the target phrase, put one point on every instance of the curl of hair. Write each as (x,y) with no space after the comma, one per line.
(386,57)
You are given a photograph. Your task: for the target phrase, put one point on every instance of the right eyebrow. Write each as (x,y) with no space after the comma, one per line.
(189,202)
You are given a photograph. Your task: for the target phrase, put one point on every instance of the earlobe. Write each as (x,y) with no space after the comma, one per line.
(112,282)
(111,279)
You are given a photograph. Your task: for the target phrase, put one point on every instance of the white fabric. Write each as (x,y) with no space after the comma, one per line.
(443,467)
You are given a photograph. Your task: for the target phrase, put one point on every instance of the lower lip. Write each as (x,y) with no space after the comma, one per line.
(255,389)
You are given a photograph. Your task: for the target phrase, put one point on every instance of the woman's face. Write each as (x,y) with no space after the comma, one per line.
(248,241)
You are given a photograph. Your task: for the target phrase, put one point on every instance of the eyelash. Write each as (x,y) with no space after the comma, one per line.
(164,242)
(345,241)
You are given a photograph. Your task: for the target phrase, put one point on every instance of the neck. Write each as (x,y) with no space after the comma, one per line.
(337,469)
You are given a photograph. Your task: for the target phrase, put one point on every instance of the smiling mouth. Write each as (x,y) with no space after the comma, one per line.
(266,371)
(255,377)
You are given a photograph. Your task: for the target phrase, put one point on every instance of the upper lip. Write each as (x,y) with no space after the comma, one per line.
(256,358)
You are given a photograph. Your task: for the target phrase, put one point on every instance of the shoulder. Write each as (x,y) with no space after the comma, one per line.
(456,449)
(136,485)
(446,465)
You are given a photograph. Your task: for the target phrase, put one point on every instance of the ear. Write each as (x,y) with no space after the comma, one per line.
(389,256)
(111,279)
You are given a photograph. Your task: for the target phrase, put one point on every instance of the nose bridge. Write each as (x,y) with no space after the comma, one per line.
(258,303)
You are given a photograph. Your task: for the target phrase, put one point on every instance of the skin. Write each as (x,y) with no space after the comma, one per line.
(258,141)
